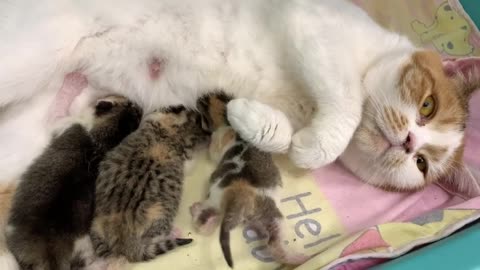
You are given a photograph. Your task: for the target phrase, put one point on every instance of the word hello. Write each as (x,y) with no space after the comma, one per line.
(305,226)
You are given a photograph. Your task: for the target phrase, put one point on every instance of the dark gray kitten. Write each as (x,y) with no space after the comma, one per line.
(242,187)
(53,204)
(140,185)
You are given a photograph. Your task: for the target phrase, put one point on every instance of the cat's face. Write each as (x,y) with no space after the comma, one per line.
(412,129)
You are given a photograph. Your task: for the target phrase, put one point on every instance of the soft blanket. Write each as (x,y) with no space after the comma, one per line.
(342,222)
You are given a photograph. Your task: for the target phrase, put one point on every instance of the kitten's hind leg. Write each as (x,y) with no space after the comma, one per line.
(263,126)
(205,218)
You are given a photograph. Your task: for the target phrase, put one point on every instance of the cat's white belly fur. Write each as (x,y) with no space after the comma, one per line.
(289,54)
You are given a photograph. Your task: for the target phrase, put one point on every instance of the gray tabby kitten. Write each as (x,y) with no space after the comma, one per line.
(242,186)
(140,185)
(53,204)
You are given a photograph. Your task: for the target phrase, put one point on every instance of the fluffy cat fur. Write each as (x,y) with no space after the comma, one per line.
(319,80)
(139,186)
(242,187)
(54,202)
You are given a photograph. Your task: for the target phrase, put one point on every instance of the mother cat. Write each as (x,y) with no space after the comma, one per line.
(322,79)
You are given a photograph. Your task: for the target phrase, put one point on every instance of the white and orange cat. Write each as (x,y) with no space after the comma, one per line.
(318,80)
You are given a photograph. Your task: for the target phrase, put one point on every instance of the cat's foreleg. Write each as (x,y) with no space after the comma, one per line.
(263,126)
(328,134)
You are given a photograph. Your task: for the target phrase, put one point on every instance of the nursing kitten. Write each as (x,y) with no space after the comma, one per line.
(140,183)
(328,82)
(54,202)
(242,187)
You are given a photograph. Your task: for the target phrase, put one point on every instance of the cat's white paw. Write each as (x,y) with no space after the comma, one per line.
(266,128)
(310,151)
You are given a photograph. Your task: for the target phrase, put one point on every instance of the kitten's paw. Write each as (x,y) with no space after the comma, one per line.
(205,219)
(175,233)
(264,127)
(307,150)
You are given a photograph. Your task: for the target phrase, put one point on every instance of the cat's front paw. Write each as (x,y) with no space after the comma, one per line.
(263,126)
(308,151)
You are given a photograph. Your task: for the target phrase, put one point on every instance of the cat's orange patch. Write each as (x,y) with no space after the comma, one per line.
(216,110)
(102,225)
(424,76)
(7,191)
(228,137)
(154,212)
(159,152)
(239,194)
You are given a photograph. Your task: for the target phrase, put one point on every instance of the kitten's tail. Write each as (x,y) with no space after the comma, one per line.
(241,206)
(276,246)
(239,203)
(135,249)
(154,247)
(271,224)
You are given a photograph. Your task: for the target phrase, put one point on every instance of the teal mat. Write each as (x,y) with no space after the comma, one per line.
(472,8)
(460,251)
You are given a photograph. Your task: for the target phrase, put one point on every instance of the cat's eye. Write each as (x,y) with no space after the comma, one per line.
(428,107)
(421,163)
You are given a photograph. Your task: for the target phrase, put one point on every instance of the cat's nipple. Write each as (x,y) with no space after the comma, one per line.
(155,68)
(409,143)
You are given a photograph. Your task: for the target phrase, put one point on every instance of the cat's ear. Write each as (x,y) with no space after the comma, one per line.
(465,71)
(464,181)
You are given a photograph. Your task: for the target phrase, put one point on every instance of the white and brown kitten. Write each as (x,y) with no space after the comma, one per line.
(140,184)
(54,202)
(242,187)
(317,79)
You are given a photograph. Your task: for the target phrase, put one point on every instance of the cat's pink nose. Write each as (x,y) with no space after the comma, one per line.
(409,143)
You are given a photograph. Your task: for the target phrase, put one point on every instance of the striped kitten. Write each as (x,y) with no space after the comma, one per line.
(53,204)
(242,186)
(140,185)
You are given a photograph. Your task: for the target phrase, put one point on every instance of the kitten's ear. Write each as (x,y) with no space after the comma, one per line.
(465,71)
(464,181)
(103,106)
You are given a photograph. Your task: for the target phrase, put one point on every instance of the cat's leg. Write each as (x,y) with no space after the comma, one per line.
(330,129)
(265,127)
(206,214)
(205,217)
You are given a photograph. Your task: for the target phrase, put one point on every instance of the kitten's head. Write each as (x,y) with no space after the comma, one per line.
(212,107)
(181,123)
(412,129)
(115,118)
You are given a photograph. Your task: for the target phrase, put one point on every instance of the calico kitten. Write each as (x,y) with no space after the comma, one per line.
(242,186)
(53,204)
(140,185)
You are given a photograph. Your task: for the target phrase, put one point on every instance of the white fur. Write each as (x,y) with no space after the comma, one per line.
(263,126)
(8,262)
(305,58)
